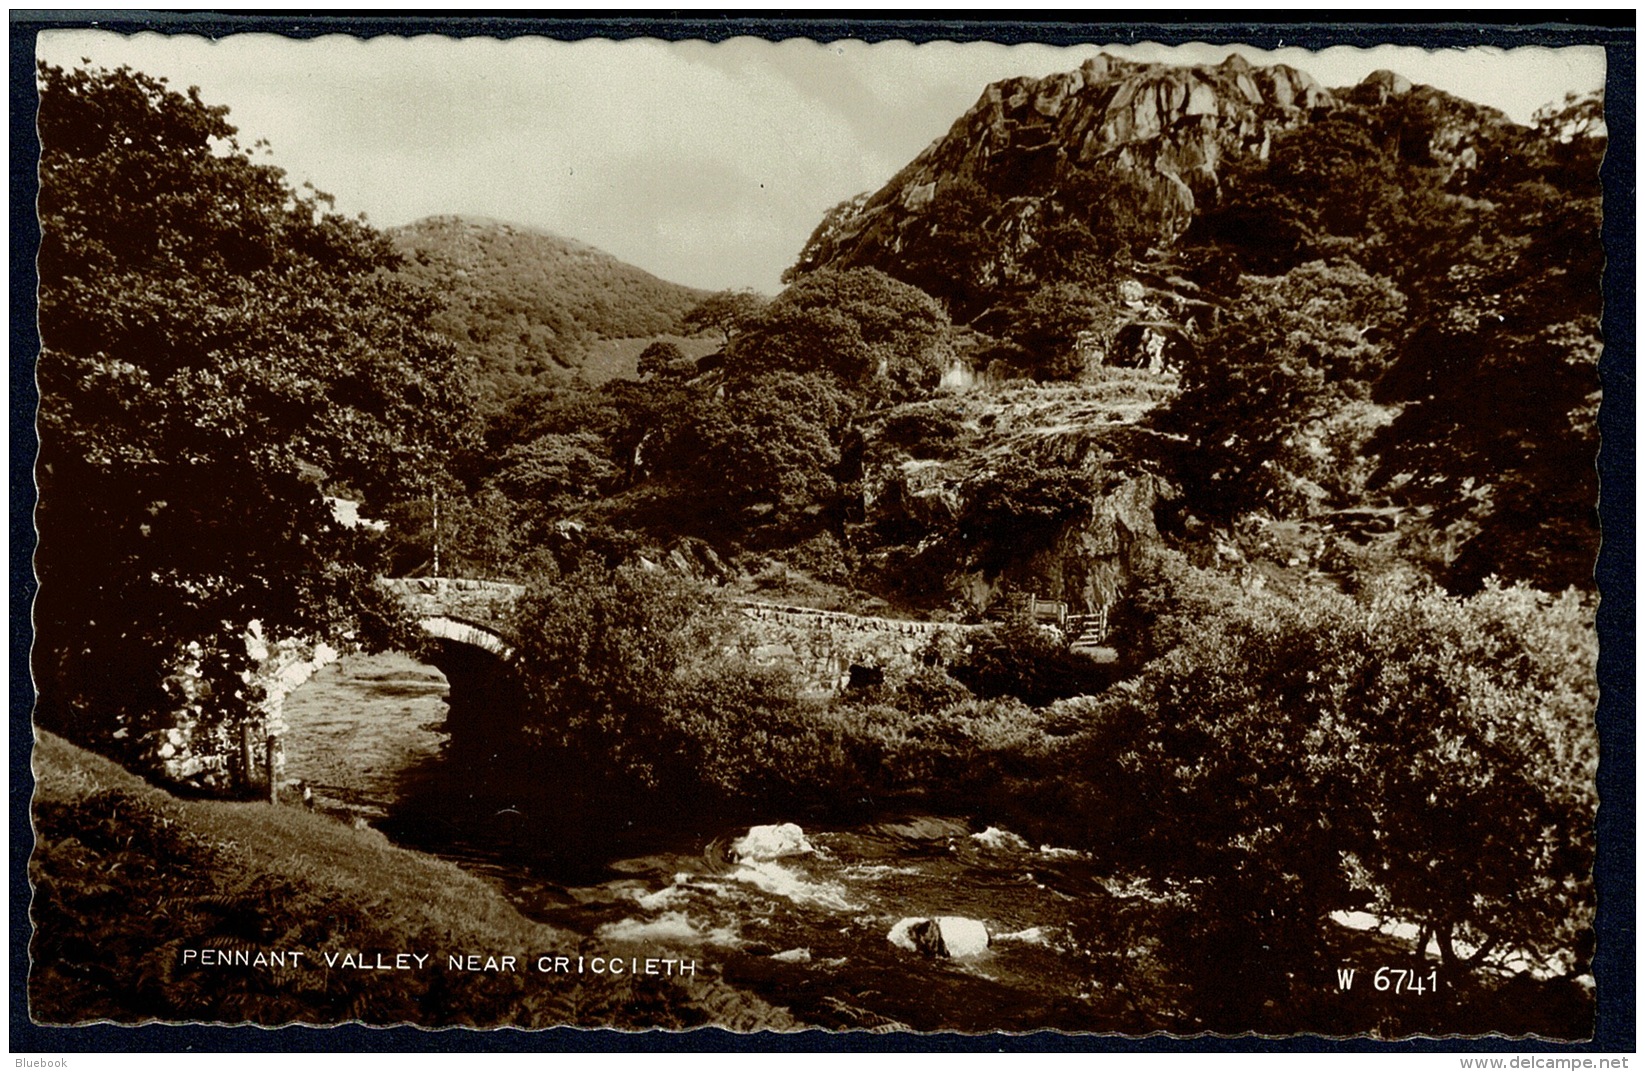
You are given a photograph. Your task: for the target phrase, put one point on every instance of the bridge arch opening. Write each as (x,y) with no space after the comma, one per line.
(358,726)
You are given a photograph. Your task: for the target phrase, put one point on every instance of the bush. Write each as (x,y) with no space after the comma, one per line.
(1427,757)
(822,557)
(1021,659)
(868,331)
(927,430)
(1018,506)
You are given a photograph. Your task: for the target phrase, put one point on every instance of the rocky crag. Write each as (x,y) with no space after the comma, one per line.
(1156,139)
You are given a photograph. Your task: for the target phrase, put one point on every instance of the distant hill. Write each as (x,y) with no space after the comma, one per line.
(532,305)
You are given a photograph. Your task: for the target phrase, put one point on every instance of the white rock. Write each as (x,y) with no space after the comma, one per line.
(944,936)
(772,843)
(1000,840)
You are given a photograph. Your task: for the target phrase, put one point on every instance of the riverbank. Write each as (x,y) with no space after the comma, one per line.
(148,907)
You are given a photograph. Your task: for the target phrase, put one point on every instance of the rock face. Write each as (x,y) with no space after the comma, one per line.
(917,509)
(1170,129)
(1148,145)
(1090,561)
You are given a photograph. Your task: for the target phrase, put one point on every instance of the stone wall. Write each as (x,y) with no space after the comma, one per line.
(824,645)
(208,752)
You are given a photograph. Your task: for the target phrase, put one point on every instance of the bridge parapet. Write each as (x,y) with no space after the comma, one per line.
(486,603)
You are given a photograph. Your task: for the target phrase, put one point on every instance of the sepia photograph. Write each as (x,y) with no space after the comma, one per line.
(806,534)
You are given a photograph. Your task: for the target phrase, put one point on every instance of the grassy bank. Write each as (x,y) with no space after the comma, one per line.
(134,888)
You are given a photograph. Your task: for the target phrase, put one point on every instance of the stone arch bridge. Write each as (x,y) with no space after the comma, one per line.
(823,646)
(468,624)
(827,648)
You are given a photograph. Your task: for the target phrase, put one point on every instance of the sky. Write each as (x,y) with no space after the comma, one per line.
(705,164)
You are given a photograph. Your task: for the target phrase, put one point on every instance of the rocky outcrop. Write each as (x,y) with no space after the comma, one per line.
(690,557)
(1090,561)
(923,491)
(1378,87)
(919,513)
(1427,127)
(1169,129)
(1146,145)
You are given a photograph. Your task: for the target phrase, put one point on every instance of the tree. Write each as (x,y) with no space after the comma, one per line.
(1578,120)
(1057,324)
(871,333)
(556,467)
(664,361)
(948,247)
(727,312)
(1018,506)
(219,351)
(1022,658)
(1498,382)
(1099,221)
(1326,188)
(775,441)
(1290,353)
(629,687)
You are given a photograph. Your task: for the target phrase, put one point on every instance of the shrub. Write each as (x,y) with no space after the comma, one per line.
(1429,757)
(1021,659)
(927,430)
(1019,505)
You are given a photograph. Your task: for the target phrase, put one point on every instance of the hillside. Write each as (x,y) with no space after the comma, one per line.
(132,884)
(1309,283)
(530,305)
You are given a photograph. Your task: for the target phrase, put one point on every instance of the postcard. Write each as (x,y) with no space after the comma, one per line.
(818,534)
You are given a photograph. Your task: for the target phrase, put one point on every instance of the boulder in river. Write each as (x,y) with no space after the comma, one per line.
(772,843)
(941,936)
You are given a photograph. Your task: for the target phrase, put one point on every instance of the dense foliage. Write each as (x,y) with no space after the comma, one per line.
(219,353)
(1459,291)
(1426,757)
(873,334)
(1280,372)
(1499,373)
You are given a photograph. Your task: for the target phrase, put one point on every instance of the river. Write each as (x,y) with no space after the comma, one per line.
(804,917)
